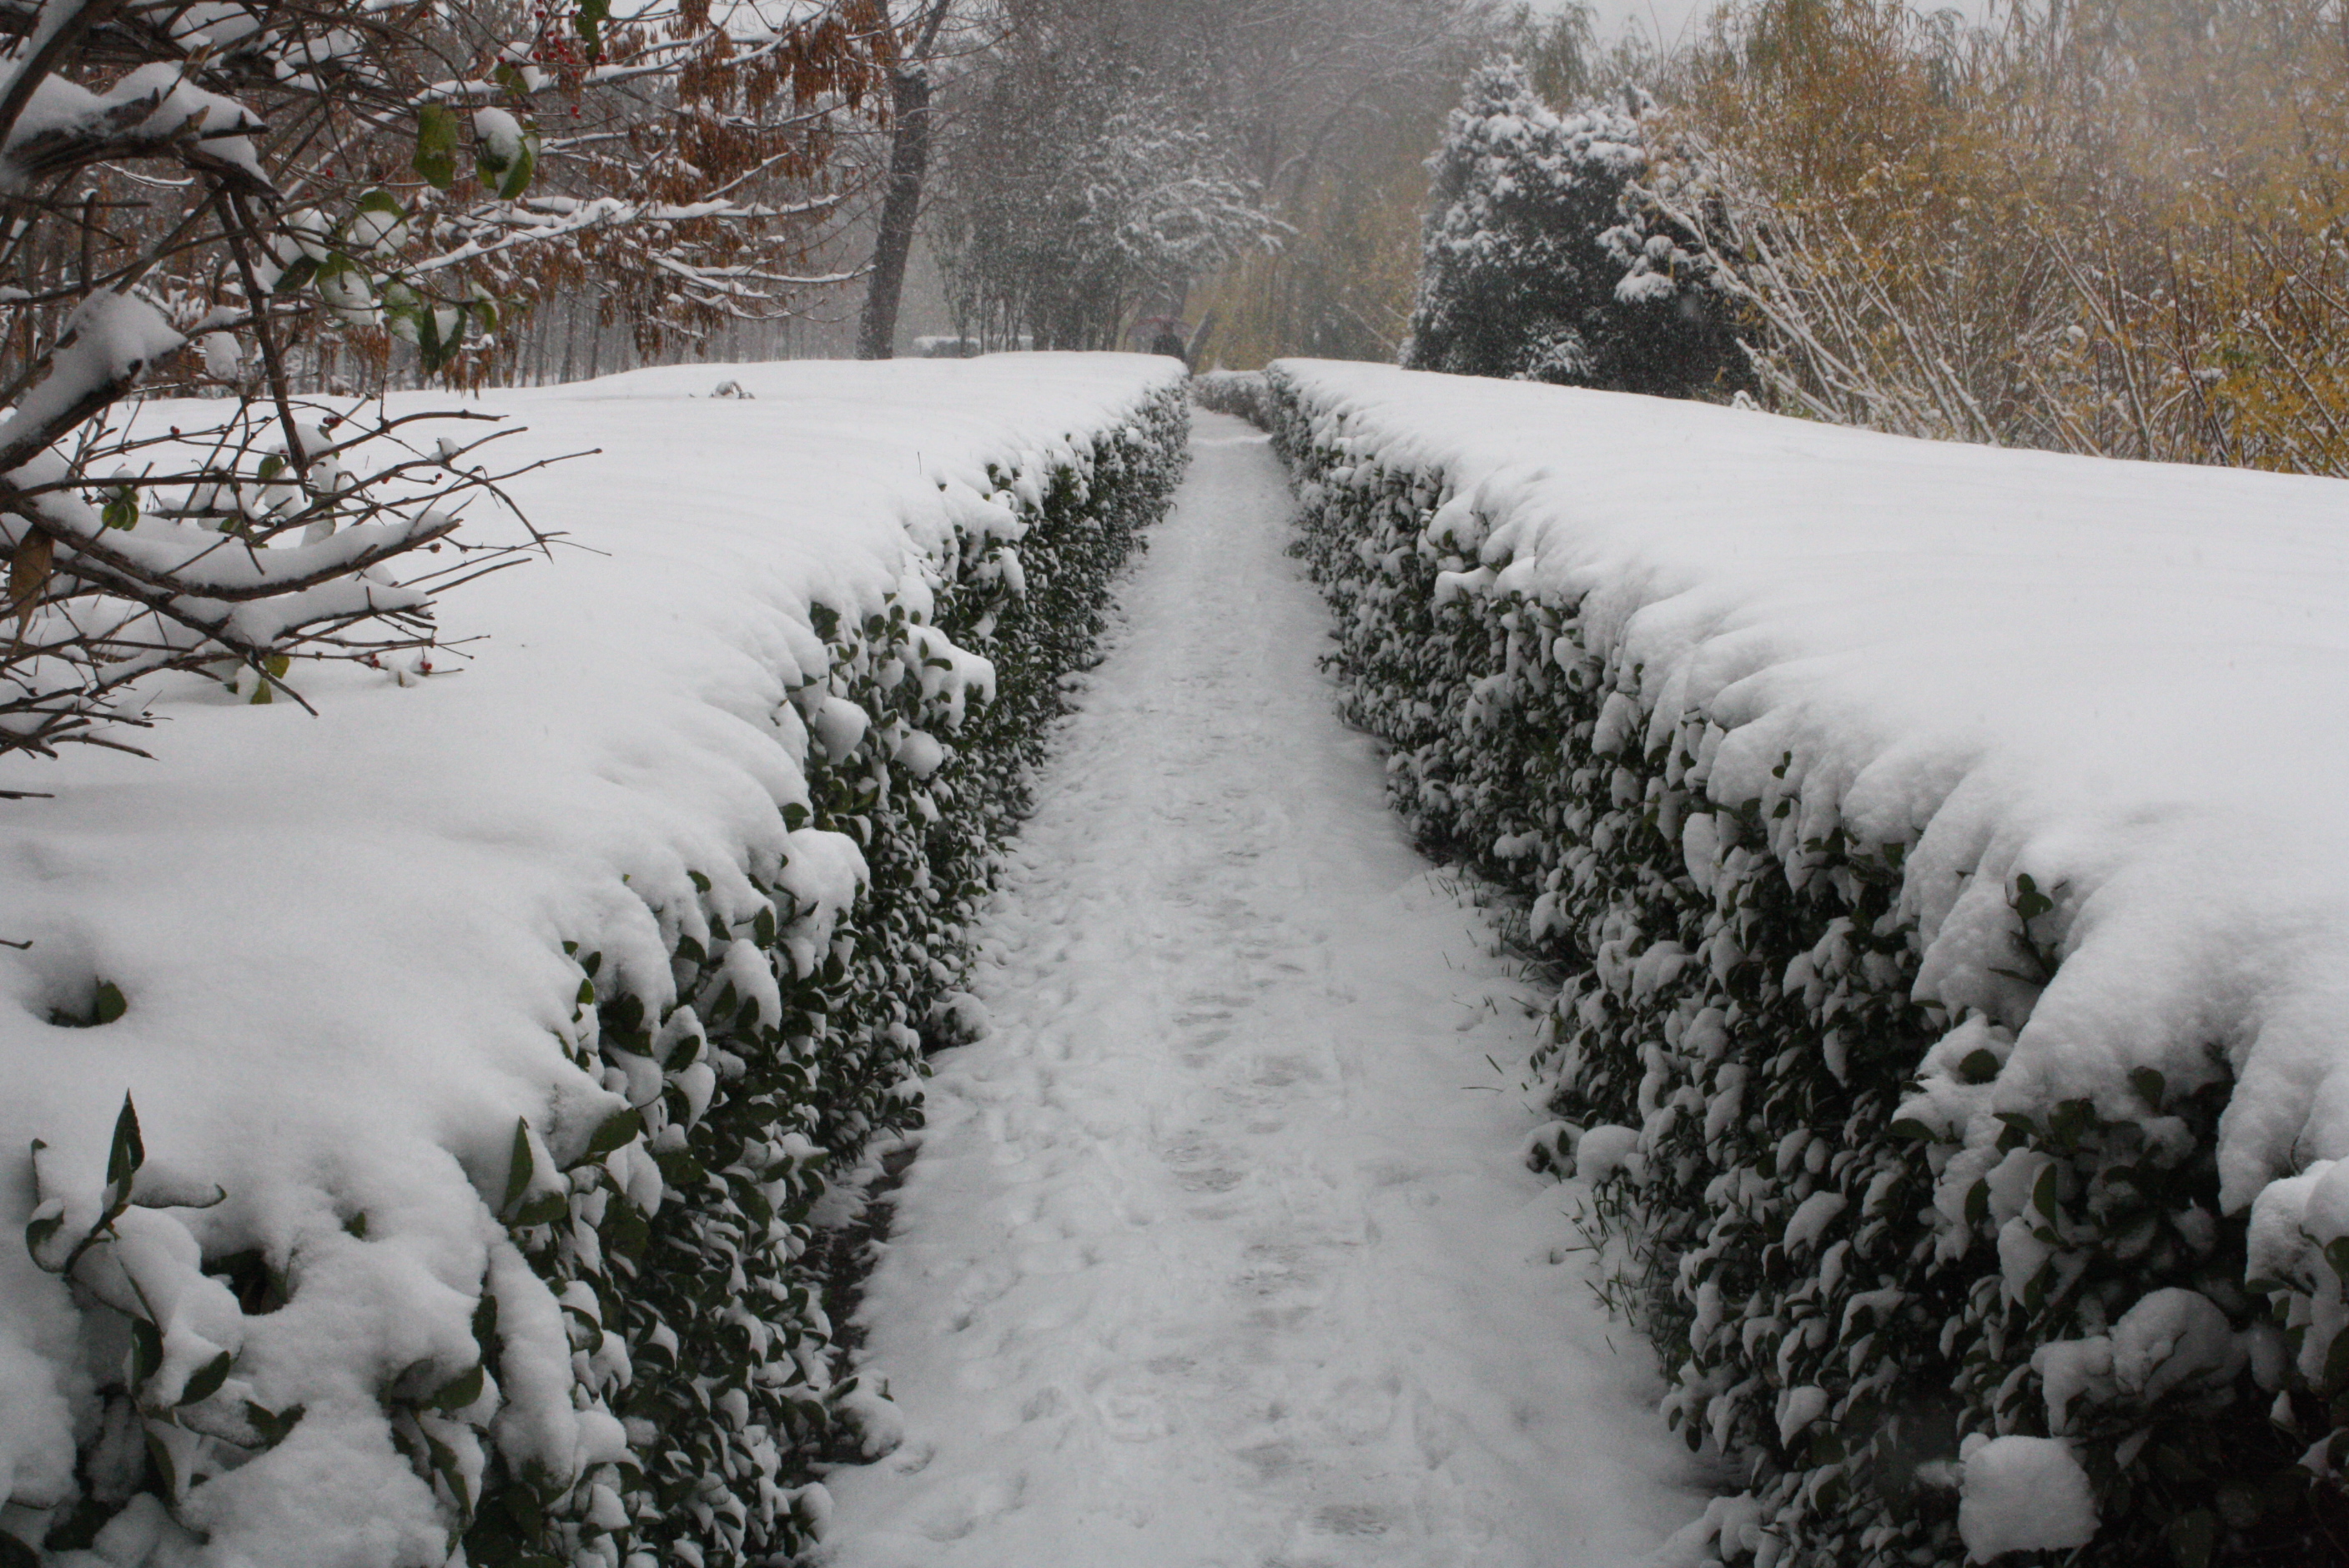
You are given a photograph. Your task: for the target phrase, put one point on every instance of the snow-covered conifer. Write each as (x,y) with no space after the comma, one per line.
(1536,267)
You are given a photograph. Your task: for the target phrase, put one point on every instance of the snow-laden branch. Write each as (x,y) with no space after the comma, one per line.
(152,111)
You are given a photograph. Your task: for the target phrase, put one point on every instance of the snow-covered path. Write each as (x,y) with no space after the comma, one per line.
(1218,1251)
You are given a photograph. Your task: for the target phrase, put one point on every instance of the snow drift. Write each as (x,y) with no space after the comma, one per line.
(1944,845)
(490,1040)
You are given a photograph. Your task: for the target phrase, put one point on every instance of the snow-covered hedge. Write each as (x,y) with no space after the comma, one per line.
(495,1036)
(1943,850)
(1242,393)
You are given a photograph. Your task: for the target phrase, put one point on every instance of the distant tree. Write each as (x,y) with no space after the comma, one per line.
(1335,104)
(910,134)
(1536,267)
(1084,178)
(1560,51)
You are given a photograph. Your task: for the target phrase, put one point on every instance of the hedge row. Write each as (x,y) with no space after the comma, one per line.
(685,1237)
(1851,1274)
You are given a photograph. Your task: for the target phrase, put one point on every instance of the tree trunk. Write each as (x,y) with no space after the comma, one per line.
(909,160)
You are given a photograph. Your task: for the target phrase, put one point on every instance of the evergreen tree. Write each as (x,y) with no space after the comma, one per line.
(1537,267)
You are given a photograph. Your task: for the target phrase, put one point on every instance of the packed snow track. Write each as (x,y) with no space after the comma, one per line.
(1219,1252)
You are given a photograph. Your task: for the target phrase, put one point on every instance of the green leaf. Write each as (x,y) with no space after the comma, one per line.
(2149,1085)
(508,179)
(436,145)
(38,1233)
(679,1169)
(589,21)
(700,883)
(272,1426)
(2043,1193)
(271,467)
(381,201)
(2030,904)
(297,276)
(418,321)
(207,1381)
(77,1527)
(121,508)
(108,1007)
(127,1155)
(542,1209)
(525,168)
(460,1390)
(626,1231)
(2192,1538)
(2336,1365)
(161,1457)
(626,1014)
(485,1323)
(14,1553)
(520,1169)
(616,1129)
(1980,1066)
(146,1350)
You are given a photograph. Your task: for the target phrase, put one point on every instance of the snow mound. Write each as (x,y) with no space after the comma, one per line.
(2024,1494)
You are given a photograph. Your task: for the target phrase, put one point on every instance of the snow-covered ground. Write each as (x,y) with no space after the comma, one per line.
(1218,1251)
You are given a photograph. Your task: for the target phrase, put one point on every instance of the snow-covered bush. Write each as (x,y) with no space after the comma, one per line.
(507,1235)
(1537,267)
(1942,1036)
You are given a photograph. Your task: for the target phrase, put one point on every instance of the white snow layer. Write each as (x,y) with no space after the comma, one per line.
(1219,1250)
(340,938)
(2024,1494)
(2123,680)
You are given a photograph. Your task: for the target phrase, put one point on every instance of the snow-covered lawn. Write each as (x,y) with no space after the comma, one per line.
(1218,1249)
(1948,843)
(349,952)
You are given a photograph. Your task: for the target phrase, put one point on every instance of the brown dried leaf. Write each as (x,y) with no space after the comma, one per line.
(29,567)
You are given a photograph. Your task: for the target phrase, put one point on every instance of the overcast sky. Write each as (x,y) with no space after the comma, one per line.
(1664,20)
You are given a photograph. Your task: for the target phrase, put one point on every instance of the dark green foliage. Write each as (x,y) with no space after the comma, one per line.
(1533,270)
(1748,1011)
